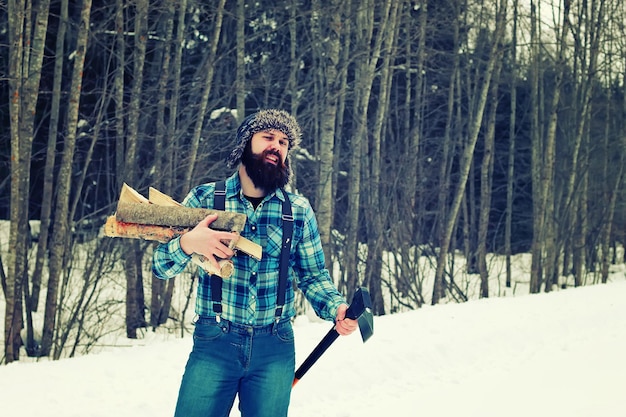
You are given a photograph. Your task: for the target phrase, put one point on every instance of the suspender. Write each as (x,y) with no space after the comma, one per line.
(219,203)
(283,272)
(284,256)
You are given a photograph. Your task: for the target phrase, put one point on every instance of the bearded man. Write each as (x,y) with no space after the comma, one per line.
(243,342)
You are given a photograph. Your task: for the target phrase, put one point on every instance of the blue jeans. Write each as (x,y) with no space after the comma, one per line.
(227,359)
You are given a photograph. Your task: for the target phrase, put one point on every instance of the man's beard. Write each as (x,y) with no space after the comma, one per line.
(263,174)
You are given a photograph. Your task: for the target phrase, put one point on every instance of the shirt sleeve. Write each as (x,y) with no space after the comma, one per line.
(169,259)
(312,276)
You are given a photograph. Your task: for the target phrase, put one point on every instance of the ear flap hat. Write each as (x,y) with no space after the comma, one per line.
(260,121)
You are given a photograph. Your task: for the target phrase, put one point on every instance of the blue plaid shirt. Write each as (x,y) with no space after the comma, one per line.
(249,295)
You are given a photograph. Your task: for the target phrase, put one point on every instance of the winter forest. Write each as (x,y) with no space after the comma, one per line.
(434,130)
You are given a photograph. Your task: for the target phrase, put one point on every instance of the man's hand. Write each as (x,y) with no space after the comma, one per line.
(343,325)
(210,243)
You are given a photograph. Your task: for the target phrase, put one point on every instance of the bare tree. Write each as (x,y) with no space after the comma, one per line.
(411,210)
(365,72)
(511,152)
(27,27)
(612,180)
(378,202)
(240,80)
(467,154)
(544,229)
(326,49)
(161,294)
(48,187)
(61,225)
(135,317)
(208,74)
(486,182)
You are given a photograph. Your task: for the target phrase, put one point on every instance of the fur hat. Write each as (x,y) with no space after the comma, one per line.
(264,120)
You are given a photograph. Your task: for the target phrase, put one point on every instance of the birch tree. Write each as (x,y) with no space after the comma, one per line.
(508,252)
(326,49)
(410,166)
(486,182)
(468,151)
(206,86)
(544,229)
(61,224)
(365,71)
(378,202)
(27,33)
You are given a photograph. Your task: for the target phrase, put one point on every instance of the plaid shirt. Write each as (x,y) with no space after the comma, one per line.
(249,295)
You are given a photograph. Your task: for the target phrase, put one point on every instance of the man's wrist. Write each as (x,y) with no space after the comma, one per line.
(178,254)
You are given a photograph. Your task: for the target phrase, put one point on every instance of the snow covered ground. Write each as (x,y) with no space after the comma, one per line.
(557,354)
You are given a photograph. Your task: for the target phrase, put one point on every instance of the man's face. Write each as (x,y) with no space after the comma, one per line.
(265,159)
(273,142)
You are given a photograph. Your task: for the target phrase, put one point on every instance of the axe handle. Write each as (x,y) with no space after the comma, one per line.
(319,350)
(321,347)
(360,302)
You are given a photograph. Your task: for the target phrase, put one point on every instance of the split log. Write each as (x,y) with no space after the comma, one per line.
(161,218)
(226,266)
(177,216)
(132,207)
(163,234)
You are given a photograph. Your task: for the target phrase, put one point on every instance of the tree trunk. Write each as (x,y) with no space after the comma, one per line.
(209,71)
(378,202)
(327,56)
(365,74)
(586,51)
(468,151)
(26,48)
(486,182)
(120,74)
(510,183)
(240,81)
(45,216)
(13,320)
(134,282)
(61,226)
(447,145)
(546,165)
(537,151)
(161,150)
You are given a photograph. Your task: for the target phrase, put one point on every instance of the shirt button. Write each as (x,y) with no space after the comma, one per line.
(253,228)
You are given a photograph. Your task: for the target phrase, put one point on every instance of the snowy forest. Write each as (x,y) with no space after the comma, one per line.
(433,130)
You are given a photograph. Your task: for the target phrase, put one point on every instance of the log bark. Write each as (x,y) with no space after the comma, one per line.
(162,210)
(152,214)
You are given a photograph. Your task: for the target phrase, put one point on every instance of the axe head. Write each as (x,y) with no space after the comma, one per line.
(361,310)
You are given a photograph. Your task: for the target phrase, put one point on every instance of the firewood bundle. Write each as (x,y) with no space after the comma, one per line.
(161,218)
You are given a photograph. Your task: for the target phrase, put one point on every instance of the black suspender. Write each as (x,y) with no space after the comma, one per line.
(219,203)
(283,270)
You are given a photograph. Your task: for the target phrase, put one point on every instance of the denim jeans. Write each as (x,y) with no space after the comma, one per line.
(227,359)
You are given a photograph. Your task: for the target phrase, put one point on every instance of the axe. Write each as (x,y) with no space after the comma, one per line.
(361,311)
